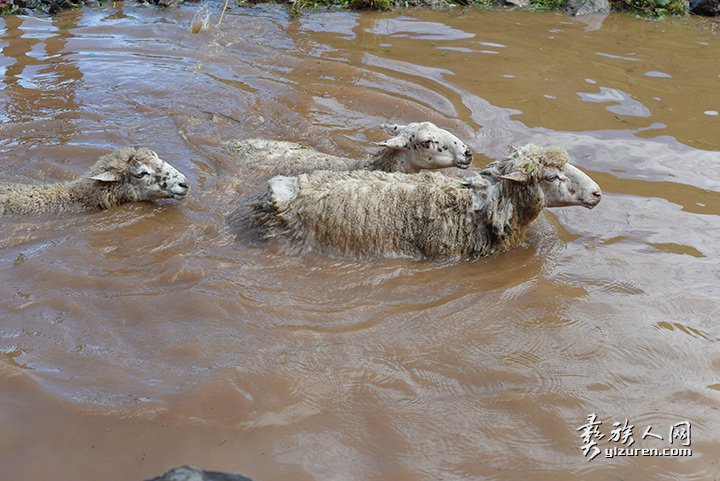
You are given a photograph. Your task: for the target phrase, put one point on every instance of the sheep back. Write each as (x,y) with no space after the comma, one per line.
(64,197)
(28,199)
(375,213)
(265,158)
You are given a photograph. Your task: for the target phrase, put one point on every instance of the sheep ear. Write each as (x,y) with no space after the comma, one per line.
(516,176)
(106,177)
(399,142)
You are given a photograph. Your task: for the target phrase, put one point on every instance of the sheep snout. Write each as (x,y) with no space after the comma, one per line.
(592,193)
(173,182)
(179,189)
(595,198)
(465,161)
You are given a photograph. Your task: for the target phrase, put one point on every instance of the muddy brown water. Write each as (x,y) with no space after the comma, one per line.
(149,336)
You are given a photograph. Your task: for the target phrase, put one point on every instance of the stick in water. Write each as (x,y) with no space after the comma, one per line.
(223,12)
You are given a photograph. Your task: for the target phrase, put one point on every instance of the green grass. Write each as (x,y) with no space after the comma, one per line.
(480,3)
(651,8)
(22,7)
(383,5)
(548,4)
(657,9)
(8,7)
(300,5)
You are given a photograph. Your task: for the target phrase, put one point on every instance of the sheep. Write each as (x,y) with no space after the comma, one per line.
(413,147)
(427,215)
(125,175)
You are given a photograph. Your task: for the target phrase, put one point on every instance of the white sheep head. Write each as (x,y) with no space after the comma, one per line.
(140,174)
(561,183)
(428,146)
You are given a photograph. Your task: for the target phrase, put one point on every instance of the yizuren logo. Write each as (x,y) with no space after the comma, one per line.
(672,440)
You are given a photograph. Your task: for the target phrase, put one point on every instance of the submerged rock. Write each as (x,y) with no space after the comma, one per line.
(593,21)
(586,7)
(192,473)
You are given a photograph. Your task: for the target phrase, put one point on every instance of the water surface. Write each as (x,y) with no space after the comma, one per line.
(149,336)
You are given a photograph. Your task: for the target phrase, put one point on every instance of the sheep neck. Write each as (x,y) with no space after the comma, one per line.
(73,196)
(391,160)
(509,210)
(92,194)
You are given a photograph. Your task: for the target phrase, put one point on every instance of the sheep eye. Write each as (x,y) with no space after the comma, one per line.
(426,143)
(141,175)
(551,178)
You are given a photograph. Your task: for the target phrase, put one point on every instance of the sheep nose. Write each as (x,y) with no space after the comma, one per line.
(179,190)
(595,197)
(468,154)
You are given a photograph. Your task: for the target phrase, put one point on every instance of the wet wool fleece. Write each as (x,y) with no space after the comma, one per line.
(75,196)
(426,215)
(78,195)
(265,158)
(389,160)
(414,147)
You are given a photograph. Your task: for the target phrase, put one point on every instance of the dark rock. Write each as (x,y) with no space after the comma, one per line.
(433,4)
(709,8)
(191,473)
(512,3)
(21,7)
(586,7)
(162,3)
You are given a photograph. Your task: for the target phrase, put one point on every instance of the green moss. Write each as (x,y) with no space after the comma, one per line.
(548,4)
(22,7)
(8,9)
(648,8)
(300,5)
(370,4)
(479,3)
(651,8)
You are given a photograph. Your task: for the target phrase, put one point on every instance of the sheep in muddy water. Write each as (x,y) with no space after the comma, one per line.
(427,215)
(125,175)
(413,147)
